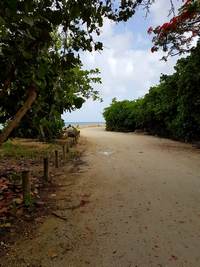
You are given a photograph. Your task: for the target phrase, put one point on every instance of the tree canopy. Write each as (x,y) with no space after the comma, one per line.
(177,35)
(170,109)
(40,42)
(39,45)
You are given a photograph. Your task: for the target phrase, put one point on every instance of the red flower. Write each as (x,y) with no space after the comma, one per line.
(154,49)
(150,30)
(174,20)
(194,33)
(166,26)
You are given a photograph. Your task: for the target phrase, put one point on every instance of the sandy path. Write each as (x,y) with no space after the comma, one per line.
(143,209)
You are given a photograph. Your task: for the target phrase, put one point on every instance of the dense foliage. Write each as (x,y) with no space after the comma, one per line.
(40,42)
(44,120)
(170,109)
(39,49)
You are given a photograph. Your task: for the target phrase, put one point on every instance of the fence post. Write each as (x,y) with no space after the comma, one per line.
(46,169)
(26,185)
(67,147)
(73,140)
(56,158)
(64,152)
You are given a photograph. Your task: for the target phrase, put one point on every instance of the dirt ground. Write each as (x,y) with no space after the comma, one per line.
(132,200)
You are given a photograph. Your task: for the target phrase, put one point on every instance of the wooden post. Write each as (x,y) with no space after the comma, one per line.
(64,153)
(70,142)
(46,169)
(67,147)
(56,158)
(73,141)
(26,185)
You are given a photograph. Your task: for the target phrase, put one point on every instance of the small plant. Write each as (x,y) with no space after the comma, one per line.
(28,201)
(15,178)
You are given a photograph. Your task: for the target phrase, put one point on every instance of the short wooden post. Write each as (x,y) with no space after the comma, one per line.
(26,185)
(67,147)
(56,158)
(70,142)
(46,169)
(73,140)
(64,152)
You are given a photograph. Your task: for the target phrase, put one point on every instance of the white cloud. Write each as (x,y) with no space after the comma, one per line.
(127,72)
(160,10)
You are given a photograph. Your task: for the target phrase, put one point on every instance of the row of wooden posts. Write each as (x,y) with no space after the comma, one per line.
(26,181)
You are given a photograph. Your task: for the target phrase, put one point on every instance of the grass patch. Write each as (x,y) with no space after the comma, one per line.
(26,148)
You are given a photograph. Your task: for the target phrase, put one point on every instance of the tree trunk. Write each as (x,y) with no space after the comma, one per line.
(19,115)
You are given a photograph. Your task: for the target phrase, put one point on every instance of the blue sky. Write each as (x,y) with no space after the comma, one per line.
(127,66)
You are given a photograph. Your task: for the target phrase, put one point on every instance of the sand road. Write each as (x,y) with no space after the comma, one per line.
(142,197)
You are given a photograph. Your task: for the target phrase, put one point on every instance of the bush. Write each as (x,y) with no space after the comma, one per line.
(170,109)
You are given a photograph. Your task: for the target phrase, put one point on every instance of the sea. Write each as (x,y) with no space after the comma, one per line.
(85,123)
(79,123)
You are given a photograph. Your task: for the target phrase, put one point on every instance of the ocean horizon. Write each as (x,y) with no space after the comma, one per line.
(84,122)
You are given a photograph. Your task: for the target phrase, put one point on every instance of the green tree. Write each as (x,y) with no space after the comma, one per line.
(170,109)
(176,36)
(43,120)
(30,56)
(186,125)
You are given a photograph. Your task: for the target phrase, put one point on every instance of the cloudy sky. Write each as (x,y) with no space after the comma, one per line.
(127,66)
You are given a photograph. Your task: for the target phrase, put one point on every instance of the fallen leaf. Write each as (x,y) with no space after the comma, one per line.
(174,257)
(18,201)
(52,254)
(3,210)
(5,225)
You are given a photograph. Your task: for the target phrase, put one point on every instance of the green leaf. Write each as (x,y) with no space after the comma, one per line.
(28,20)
